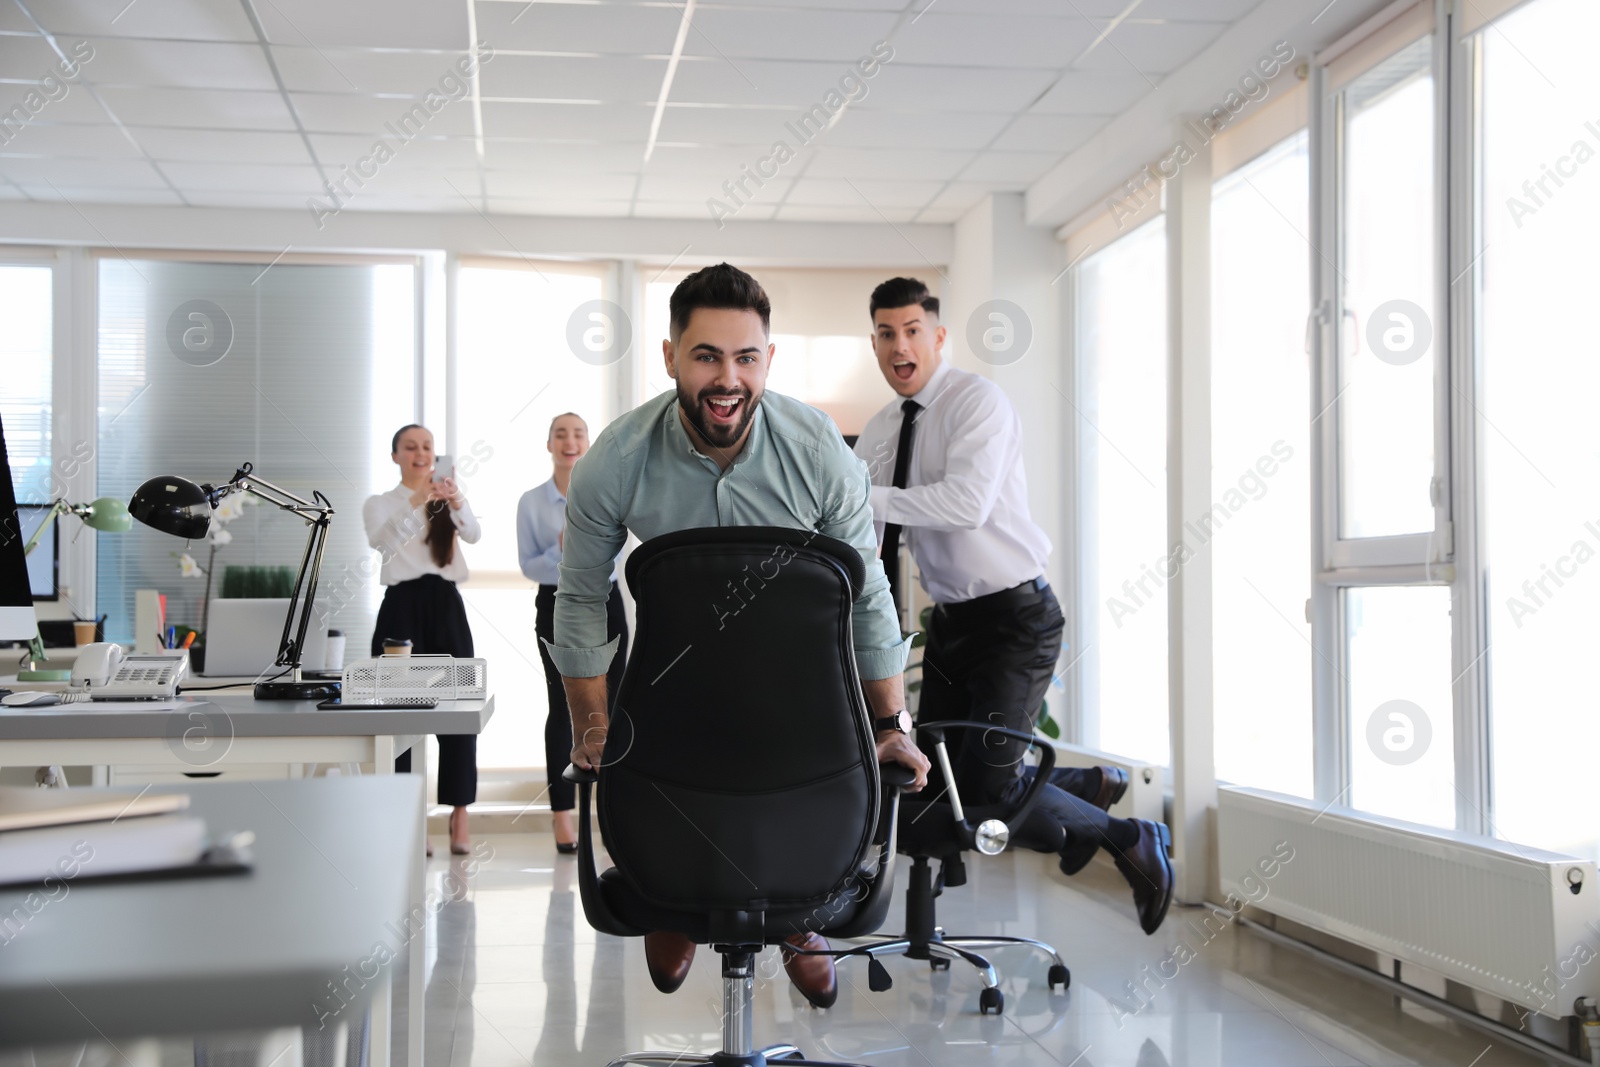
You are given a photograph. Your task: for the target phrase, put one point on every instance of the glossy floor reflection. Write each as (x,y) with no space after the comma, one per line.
(516,976)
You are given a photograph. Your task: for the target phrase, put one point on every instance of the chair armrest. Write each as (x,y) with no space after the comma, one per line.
(1047,761)
(594,905)
(896,774)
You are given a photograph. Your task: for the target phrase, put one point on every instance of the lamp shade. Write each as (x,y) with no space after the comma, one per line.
(172,505)
(109,515)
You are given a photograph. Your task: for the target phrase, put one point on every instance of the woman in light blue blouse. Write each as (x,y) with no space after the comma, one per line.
(541,519)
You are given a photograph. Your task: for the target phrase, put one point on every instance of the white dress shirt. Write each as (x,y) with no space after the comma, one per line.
(964,510)
(541,516)
(396,530)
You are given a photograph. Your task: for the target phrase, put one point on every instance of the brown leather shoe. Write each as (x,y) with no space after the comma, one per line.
(1113,784)
(1149,872)
(814,976)
(668,955)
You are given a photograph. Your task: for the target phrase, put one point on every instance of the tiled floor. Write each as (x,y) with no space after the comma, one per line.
(516,976)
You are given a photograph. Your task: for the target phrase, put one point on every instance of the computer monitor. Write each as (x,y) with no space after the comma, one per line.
(17,622)
(44,562)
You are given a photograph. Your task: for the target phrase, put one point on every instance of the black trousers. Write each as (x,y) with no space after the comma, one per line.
(990,660)
(430,613)
(558,722)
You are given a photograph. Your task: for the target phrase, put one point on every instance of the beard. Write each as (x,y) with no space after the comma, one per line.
(717,434)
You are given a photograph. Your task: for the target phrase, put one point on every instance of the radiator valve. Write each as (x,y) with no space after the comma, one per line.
(1589,1012)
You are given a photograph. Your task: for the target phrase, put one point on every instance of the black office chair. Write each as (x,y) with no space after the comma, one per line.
(741,800)
(941,827)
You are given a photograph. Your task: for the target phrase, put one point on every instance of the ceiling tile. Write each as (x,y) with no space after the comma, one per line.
(182,64)
(578,28)
(591,158)
(302,180)
(929,164)
(808,213)
(221,146)
(610,78)
(243,198)
(1018,169)
(392,24)
(840,37)
(553,185)
(89,195)
(29,57)
(416,154)
(1092,93)
(697,189)
(132,174)
(106,142)
(388,117)
(723,125)
(344,70)
(218,109)
(719,163)
(74,105)
(940,89)
(1048,133)
(579,208)
(870,127)
(944,36)
(586,122)
(798,85)
(862,193)
(1153,49)
(193,20)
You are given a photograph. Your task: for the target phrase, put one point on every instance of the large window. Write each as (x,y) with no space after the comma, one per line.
(1260,524)
(1121,355)
(533,342)
(1386,400)
(1540,226)
(303,369)
(25,400)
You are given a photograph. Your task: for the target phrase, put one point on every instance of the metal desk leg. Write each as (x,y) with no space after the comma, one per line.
(383,997)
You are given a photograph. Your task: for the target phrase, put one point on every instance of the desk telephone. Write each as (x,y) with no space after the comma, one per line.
(107,672)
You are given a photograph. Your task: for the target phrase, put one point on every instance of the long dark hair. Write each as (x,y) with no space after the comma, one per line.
(441,535)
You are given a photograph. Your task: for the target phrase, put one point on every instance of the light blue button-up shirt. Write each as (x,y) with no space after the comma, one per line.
(541,515)
(645,476)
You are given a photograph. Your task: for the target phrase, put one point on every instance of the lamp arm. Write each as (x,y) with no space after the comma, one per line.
(60,507)
(291,648)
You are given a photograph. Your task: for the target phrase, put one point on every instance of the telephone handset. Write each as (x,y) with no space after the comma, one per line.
(107,672)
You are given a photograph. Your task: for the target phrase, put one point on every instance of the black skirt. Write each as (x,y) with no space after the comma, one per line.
(429,612)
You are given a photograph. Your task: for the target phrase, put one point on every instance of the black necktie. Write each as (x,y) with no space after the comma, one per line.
(902,468)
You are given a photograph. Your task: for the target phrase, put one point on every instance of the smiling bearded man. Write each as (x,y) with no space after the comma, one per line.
(719,451)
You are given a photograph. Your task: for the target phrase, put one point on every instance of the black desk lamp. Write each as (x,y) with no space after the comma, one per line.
(179,507)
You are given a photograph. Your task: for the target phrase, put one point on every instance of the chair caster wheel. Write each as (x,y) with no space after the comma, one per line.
(1059,976)
(991,1000)
(938,963)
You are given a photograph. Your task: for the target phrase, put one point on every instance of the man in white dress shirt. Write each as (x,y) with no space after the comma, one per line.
(946,464)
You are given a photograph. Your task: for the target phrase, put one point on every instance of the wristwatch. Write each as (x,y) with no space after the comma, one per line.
(900,721)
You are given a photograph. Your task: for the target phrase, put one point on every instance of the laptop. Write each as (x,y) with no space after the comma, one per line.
(242,637)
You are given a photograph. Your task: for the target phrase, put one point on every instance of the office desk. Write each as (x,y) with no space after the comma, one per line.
(240,952)
(210,731)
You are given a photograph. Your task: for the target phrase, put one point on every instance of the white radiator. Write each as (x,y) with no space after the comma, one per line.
(1493,916)
(1145,798)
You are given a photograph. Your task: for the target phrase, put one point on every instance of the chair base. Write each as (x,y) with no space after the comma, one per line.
(788,1055)
(924,941)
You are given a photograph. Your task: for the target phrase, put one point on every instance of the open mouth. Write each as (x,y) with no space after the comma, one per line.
(904,369)
(724,410)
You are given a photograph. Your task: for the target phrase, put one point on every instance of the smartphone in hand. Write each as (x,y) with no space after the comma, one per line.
(443,467)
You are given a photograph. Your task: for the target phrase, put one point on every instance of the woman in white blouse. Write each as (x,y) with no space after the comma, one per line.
(416,527)
(541,521)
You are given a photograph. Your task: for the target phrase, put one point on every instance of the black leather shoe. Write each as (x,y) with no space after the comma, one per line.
(1149,872)
(668,955)
(1077,854)
(1113,784)
(814,976)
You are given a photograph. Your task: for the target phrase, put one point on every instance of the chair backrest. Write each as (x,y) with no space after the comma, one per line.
(740,772)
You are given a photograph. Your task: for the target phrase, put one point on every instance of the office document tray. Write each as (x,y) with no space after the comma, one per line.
(396,679)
